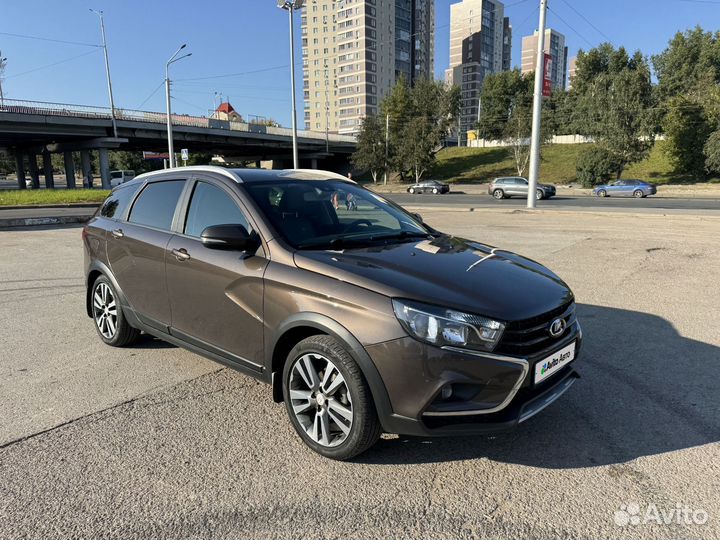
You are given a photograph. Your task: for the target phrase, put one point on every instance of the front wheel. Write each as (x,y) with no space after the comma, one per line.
(110,321)
(602,193)
(412,191)
(435,191)
(638,194)
(328,400)
(539,195)
(499,194)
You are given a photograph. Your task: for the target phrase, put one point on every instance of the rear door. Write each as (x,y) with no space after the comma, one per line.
(136,249)
(216,296)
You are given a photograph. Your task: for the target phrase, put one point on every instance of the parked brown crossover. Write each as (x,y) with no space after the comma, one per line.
(361,317)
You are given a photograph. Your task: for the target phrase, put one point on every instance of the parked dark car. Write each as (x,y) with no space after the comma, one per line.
(516,186)
(362,321)
(626,188)
(429,186)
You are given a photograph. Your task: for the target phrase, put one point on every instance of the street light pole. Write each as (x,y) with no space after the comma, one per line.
(173,58)
(3,61)
(290,6)
(537,109)
(107,71)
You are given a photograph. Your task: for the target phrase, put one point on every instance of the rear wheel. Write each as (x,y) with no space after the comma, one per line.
(110,322)
(638,194)
(412,190)
(539,195)
(499,194)
(435,191)
(328,400)
(602,193)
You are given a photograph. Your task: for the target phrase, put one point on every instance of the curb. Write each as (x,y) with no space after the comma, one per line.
(6,223)
(66,205)
(538,211)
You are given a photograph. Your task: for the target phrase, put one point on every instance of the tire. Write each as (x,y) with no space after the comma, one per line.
(499,194)
(109,319)
(435,191)
(411,191)
(348,409)
(638,194)
(602,193)
(539,195)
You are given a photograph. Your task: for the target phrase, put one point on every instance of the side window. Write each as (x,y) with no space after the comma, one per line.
(115,205)
(209,206)
(156,204)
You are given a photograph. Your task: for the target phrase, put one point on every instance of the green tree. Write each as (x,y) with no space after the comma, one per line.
(712,153)
(596,165)
(613,103)
(397,105)
(370,153)
(686,130)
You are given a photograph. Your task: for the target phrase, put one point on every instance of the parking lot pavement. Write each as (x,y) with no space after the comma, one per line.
(153,441)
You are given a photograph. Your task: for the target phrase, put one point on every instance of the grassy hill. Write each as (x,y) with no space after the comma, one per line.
(469,165)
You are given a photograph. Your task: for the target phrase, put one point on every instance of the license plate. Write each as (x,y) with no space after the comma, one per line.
(554,363)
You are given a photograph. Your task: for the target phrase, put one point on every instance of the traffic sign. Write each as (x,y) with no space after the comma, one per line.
(184,154)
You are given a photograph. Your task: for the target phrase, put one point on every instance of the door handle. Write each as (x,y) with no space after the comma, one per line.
(181,254)
(117,233)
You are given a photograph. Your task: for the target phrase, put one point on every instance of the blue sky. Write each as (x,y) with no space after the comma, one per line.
(241,36)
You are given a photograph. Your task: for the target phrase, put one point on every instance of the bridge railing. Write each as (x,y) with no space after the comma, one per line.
(83,111)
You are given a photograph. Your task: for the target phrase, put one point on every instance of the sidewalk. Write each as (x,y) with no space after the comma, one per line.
(26,216)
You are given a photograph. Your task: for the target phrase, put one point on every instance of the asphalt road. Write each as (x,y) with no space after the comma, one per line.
(624,204)
(155,442)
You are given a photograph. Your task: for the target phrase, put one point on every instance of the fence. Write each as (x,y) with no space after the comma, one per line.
(98,113)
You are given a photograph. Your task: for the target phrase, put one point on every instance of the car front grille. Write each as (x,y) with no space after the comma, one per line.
(530,336)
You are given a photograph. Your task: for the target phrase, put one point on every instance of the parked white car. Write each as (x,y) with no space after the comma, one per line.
(120,177)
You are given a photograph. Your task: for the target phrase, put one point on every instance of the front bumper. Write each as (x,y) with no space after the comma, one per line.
(500,388)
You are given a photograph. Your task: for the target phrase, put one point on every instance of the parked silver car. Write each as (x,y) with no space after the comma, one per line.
(509,186)
(626,188)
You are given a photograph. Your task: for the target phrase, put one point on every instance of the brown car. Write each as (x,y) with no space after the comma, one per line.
(361,318)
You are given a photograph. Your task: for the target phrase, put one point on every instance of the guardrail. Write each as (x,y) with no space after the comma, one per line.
(83,111)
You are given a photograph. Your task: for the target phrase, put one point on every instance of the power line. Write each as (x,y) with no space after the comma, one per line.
(151,94)
(571,27)
(568,4)
(52,65)
(238,74)
(40,38)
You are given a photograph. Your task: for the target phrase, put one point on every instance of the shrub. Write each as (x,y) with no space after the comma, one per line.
(595,166)
(712,153)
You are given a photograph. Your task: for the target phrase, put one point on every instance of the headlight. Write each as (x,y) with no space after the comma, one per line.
(439,326)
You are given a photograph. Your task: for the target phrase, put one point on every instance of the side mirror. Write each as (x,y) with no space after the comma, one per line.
(417,216)
(229,237)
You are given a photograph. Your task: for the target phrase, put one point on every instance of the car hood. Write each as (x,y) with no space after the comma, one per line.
(447,271)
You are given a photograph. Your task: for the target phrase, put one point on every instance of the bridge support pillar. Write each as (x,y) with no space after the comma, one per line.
(86,169)
(313,163)
(104,167)
(20,169)
(48,170)
(33,169)
(69,169)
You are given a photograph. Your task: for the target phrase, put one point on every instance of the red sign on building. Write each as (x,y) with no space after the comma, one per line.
(547,76)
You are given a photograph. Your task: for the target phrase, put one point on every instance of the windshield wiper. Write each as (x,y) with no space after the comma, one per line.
(341,242)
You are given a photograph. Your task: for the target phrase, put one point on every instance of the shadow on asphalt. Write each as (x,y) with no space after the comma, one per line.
(146,341)
(645,390)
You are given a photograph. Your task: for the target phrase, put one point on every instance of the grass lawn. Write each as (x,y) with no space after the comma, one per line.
(470,165)
(51,196)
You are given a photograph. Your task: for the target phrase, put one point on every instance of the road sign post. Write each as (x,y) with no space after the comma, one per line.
(184,155)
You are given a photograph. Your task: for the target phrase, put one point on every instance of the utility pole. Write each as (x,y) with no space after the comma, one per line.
(173,58)
(387,146)
(290,6)
(107,71)
(537,108)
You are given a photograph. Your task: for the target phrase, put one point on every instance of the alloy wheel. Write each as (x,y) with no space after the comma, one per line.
(105,310)
(539,195)
(320,399)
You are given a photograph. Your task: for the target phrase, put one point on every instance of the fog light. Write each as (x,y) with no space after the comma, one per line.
(447,391)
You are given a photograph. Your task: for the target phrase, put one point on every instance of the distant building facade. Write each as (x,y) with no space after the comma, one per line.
(554,46)
(480,43)
(353,53)
(225,111)
(572,67)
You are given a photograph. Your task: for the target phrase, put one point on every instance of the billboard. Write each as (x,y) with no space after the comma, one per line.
(547,76)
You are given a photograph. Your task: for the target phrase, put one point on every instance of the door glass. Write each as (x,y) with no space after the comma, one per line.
(210,206)
(156,204)
(116,204)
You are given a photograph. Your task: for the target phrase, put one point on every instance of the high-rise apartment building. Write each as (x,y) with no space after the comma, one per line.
(353,53)
(480,43)
(555,47)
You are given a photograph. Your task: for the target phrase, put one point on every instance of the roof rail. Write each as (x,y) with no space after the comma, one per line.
(327,174)
(196,168)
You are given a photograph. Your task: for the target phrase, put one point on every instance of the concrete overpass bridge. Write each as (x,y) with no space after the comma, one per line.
(30,128)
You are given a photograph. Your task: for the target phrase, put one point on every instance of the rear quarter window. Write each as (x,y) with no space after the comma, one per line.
(117,203)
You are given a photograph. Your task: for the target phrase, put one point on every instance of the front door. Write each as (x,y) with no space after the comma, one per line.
(216,296)
(136,250)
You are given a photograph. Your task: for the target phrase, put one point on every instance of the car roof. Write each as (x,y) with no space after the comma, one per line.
(251,175)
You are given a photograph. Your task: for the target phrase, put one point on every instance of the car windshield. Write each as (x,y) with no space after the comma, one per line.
(328,214)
